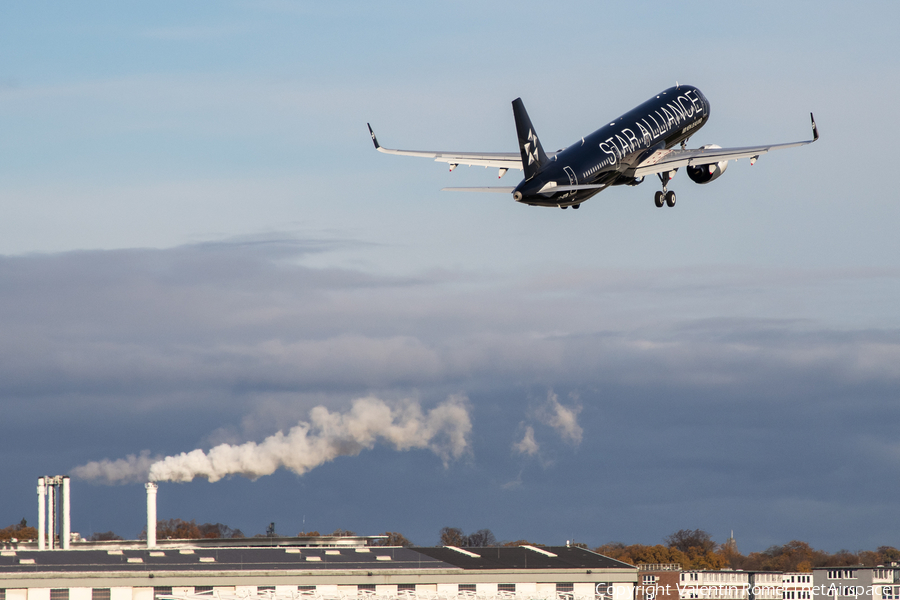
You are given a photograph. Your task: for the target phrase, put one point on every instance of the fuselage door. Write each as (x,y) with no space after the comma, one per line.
(572,180)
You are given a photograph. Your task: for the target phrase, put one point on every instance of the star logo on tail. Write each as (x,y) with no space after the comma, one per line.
(531,147)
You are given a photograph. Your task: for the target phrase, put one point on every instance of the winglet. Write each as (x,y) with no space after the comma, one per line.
(815,129)
(375,140)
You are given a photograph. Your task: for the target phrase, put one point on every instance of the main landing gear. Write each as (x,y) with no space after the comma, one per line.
(665,197)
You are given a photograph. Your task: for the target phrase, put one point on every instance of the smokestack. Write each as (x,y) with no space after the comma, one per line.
(151,514)
(51,513)
(42,513)
(66,516)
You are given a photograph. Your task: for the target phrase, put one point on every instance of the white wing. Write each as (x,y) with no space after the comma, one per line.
(500,160)
(668,160)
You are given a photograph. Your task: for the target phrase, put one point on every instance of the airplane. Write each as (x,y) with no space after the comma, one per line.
(639,143)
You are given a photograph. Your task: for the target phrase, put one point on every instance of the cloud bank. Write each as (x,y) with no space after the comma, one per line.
(207,346)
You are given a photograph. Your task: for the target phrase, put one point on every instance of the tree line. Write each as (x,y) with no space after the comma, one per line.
(695,549)
(177,529)
(19,531)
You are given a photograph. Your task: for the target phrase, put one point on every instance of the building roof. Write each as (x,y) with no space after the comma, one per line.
(14,563)
(523,557)
(217,559)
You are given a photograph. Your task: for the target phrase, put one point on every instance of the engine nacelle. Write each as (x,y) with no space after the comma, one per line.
(706,173)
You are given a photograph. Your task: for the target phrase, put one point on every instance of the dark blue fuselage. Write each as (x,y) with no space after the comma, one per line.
(605,157)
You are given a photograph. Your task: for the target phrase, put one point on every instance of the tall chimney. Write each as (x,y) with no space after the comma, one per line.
(151,514)
(66,516)
(51,513)
(42,513)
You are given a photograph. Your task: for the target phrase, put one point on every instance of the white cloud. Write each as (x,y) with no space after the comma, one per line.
(527,446)
(564,419)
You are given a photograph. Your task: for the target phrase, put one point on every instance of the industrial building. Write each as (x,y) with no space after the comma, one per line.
(288,569)
(60,566)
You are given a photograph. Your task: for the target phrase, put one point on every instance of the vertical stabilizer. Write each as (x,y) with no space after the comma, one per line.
(533,157)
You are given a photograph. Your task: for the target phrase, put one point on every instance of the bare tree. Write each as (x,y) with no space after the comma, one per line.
(219,530)
(520,543)
(343,533)
(393,538)
(685,539)
(481,539)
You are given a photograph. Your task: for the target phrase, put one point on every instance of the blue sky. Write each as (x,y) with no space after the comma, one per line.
(198,245)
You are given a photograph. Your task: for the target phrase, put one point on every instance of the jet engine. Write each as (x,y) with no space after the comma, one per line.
(706,173)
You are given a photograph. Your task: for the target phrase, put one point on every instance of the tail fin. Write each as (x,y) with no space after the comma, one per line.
(533,157)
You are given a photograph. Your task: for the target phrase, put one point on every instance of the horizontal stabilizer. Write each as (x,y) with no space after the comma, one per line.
(504,190)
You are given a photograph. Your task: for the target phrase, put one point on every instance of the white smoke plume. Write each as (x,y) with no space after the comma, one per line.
(131,469)
(444,430)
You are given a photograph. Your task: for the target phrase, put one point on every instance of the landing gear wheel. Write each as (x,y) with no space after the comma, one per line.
(575,206)
(670,199)
(658,199)
(564,207)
